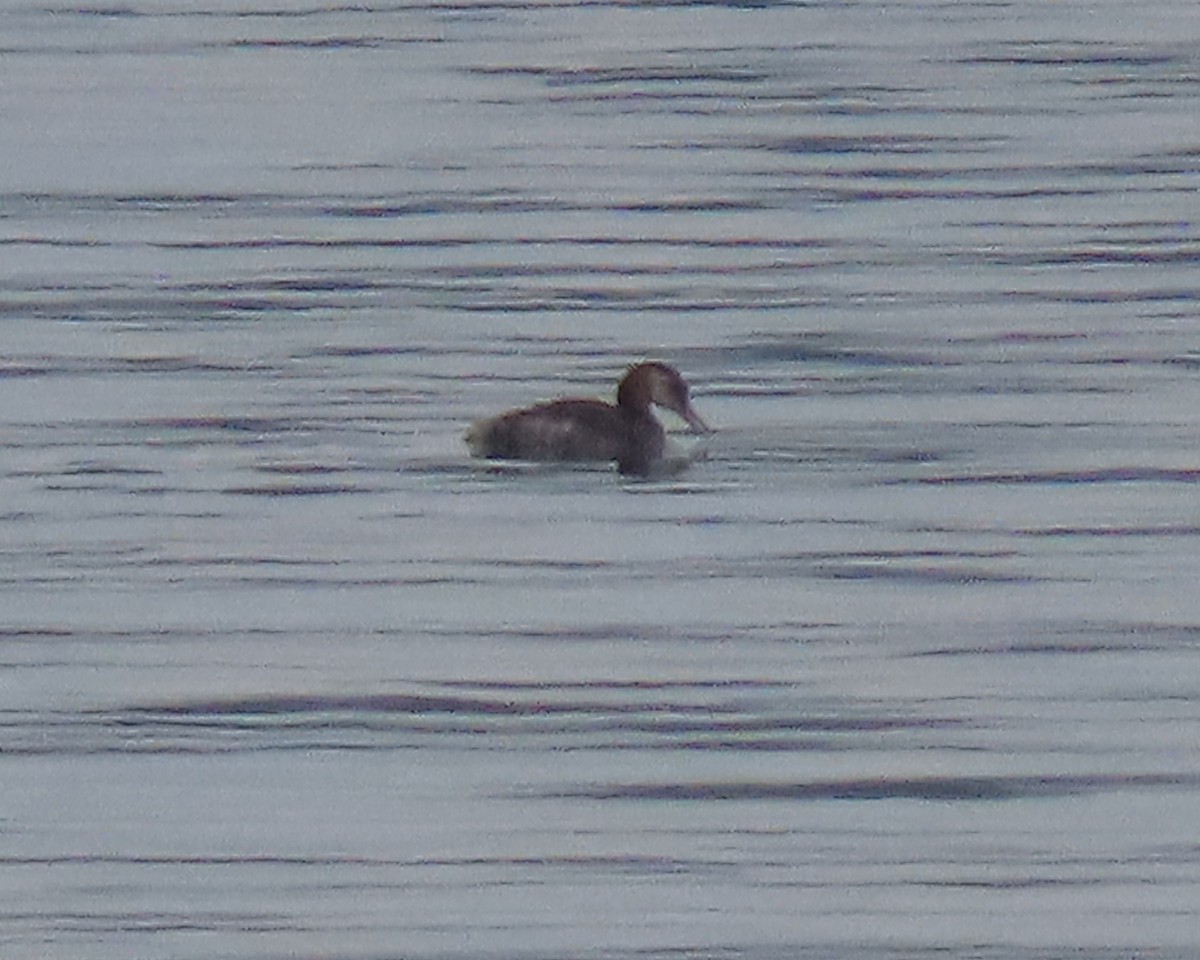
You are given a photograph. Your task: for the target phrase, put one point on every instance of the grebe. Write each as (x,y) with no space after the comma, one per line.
(593,430)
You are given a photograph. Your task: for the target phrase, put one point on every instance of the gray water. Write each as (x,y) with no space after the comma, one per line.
(906,665)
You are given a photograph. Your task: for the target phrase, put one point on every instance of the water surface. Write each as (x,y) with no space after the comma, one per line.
(905,666)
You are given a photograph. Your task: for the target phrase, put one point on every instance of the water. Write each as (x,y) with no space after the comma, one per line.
(906,667)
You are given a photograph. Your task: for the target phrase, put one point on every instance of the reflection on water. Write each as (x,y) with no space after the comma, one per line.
(906,664)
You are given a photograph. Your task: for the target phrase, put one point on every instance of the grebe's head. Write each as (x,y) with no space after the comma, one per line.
(657,383)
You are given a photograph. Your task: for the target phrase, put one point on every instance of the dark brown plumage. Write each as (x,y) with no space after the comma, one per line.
(582,430)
